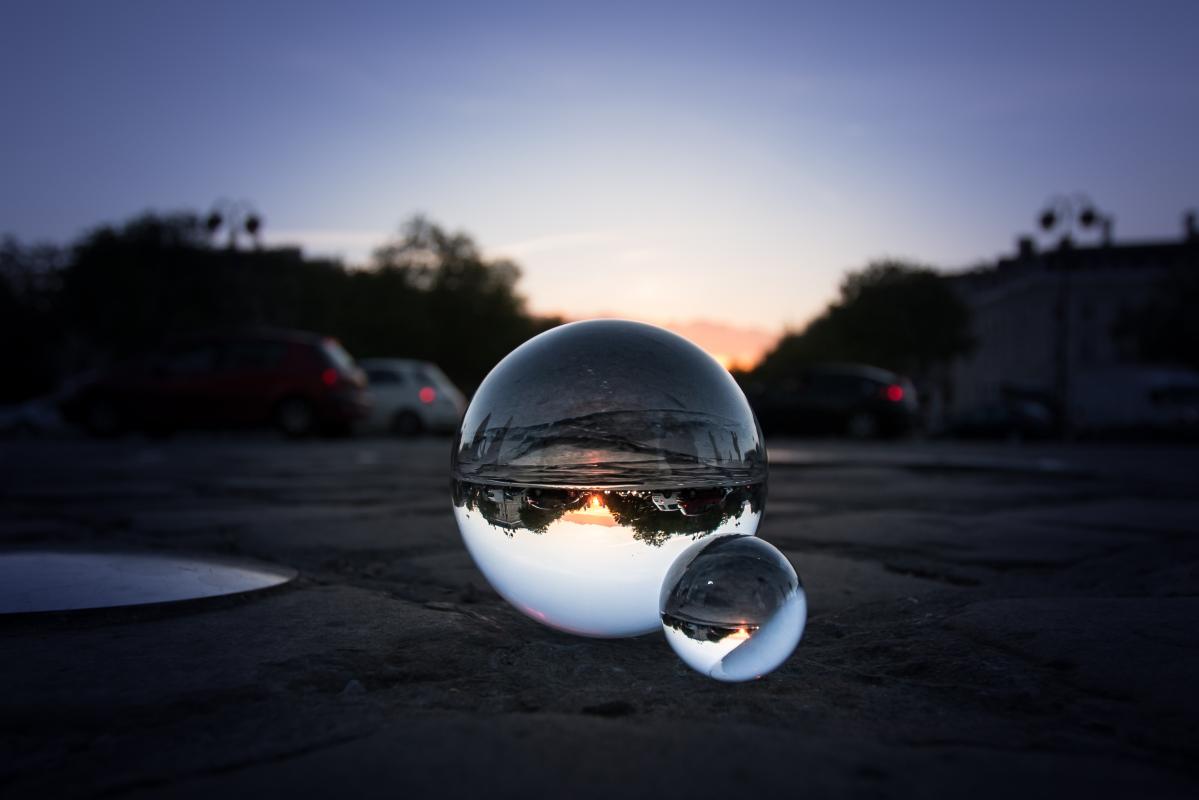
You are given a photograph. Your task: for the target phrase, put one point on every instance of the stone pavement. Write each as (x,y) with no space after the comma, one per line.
(1001,621)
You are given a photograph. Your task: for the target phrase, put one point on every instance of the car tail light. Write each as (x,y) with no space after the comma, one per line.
(427,394)
(329,377)
(894,392)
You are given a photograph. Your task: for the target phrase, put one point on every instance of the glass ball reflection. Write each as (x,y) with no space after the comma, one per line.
(733,608)
(589,458)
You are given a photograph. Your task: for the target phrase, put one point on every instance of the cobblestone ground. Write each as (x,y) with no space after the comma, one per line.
(986,621)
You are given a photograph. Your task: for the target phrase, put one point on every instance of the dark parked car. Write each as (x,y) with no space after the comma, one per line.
(841,399)
(298,382)
(1013,419)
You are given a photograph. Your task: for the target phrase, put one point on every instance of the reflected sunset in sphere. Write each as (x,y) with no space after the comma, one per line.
(589,459)
(733,608)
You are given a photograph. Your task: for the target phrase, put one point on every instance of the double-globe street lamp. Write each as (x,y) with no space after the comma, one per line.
(1068,213)
(235,218)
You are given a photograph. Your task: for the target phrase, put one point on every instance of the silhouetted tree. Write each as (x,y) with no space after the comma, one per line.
(30,333)
(636,510)
(893,315)
(464,311)
(127,288)
(122,290)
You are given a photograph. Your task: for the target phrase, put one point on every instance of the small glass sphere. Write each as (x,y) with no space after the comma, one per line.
(589,458)
(733,608)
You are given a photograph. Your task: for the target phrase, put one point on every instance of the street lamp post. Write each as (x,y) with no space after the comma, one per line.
(1069,213)
(238,217)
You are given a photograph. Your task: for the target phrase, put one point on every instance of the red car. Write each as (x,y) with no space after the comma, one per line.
(298,382)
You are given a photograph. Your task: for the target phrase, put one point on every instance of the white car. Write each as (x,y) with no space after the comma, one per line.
(412,397)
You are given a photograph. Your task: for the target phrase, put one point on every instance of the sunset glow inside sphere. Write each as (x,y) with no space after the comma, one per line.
(733,608)
(589,458)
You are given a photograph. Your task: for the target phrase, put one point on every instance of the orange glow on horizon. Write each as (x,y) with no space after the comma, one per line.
(732,346)
(739,635)
(724,360)
(595,512)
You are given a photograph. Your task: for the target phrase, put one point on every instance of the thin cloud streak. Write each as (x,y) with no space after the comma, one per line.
(551,243)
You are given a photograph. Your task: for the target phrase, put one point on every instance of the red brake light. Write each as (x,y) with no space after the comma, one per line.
(427,394)
(329,377)
(894,392)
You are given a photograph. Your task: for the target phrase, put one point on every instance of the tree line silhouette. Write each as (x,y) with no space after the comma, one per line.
(429,293)
(123,290)
(654,517)
(892,314)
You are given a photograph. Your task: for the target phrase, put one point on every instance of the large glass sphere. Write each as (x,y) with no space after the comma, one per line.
(589,458)
(733,608)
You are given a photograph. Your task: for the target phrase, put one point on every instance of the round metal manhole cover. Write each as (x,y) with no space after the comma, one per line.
(34,581)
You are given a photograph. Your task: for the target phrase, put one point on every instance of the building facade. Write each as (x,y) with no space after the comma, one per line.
(1046,324)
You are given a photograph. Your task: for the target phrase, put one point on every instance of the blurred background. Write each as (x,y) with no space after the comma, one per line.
(933,219)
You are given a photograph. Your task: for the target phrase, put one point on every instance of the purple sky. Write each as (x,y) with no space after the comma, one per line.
(725,162)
